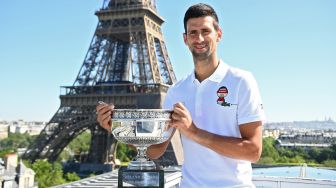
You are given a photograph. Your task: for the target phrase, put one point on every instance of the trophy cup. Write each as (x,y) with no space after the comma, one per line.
(141,128)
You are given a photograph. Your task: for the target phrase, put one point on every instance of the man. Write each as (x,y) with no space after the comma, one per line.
(217,110)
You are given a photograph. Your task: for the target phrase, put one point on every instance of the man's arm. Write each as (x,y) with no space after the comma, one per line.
(157,150)
(248,147)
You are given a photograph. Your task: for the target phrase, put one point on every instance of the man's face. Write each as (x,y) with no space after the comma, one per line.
(202,37)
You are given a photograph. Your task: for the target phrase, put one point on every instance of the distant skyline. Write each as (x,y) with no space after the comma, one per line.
(289,46)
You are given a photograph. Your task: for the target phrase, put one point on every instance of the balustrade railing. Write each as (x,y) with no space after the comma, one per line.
(114,89)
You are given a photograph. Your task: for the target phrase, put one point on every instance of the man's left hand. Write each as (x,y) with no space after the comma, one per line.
(181,119)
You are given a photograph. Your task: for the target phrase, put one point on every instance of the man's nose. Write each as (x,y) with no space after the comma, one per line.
(199,37)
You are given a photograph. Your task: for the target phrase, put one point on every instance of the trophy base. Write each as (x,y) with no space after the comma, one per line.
(140,178)
(141,165)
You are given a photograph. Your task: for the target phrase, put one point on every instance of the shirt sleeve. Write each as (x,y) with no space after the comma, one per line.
(168,102)
(250,107)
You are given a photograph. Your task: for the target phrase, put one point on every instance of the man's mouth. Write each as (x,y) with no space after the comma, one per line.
(200,46)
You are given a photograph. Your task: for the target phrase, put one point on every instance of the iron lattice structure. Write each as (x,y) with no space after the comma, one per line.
(127,64)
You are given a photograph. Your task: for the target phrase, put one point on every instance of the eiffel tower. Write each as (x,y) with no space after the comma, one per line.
(127,64)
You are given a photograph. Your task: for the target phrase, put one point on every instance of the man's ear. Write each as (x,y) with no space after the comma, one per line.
(219,34)
(185,38)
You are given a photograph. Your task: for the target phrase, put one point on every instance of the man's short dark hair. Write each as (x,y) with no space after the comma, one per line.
(200,10)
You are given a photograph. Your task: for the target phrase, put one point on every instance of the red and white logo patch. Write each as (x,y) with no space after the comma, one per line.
(222,92)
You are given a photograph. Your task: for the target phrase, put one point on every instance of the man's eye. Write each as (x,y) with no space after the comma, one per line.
(205,32)
(192,33)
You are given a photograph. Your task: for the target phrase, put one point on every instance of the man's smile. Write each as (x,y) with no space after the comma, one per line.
(200,47)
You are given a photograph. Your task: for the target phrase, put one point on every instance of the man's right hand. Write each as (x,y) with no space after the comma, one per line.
(104,115)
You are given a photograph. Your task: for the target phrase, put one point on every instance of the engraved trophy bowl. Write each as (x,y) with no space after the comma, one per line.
(141,128)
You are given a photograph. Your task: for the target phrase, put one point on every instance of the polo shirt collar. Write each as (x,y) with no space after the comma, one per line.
(217,76)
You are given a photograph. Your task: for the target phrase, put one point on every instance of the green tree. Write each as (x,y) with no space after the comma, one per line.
(325,154)
(269,151)
(330,163)
(71,176)
(125,153)
(6,151)
(297,159)
(78,146)
(48,174)
(313,153)
(274,155)
(16,140)
(286,152)
(81,143)
(301,152)
(266,160)
(333,151)
(283,159)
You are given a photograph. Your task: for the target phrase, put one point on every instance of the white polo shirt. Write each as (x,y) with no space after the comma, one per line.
(219,104)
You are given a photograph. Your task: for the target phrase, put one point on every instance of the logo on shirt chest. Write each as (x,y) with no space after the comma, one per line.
(222,92)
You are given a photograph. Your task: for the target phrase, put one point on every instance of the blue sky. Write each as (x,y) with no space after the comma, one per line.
(289,46)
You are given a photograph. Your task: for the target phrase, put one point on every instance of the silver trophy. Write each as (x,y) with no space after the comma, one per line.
(141,128)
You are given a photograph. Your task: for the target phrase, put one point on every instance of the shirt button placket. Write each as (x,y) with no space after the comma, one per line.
(198,102)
